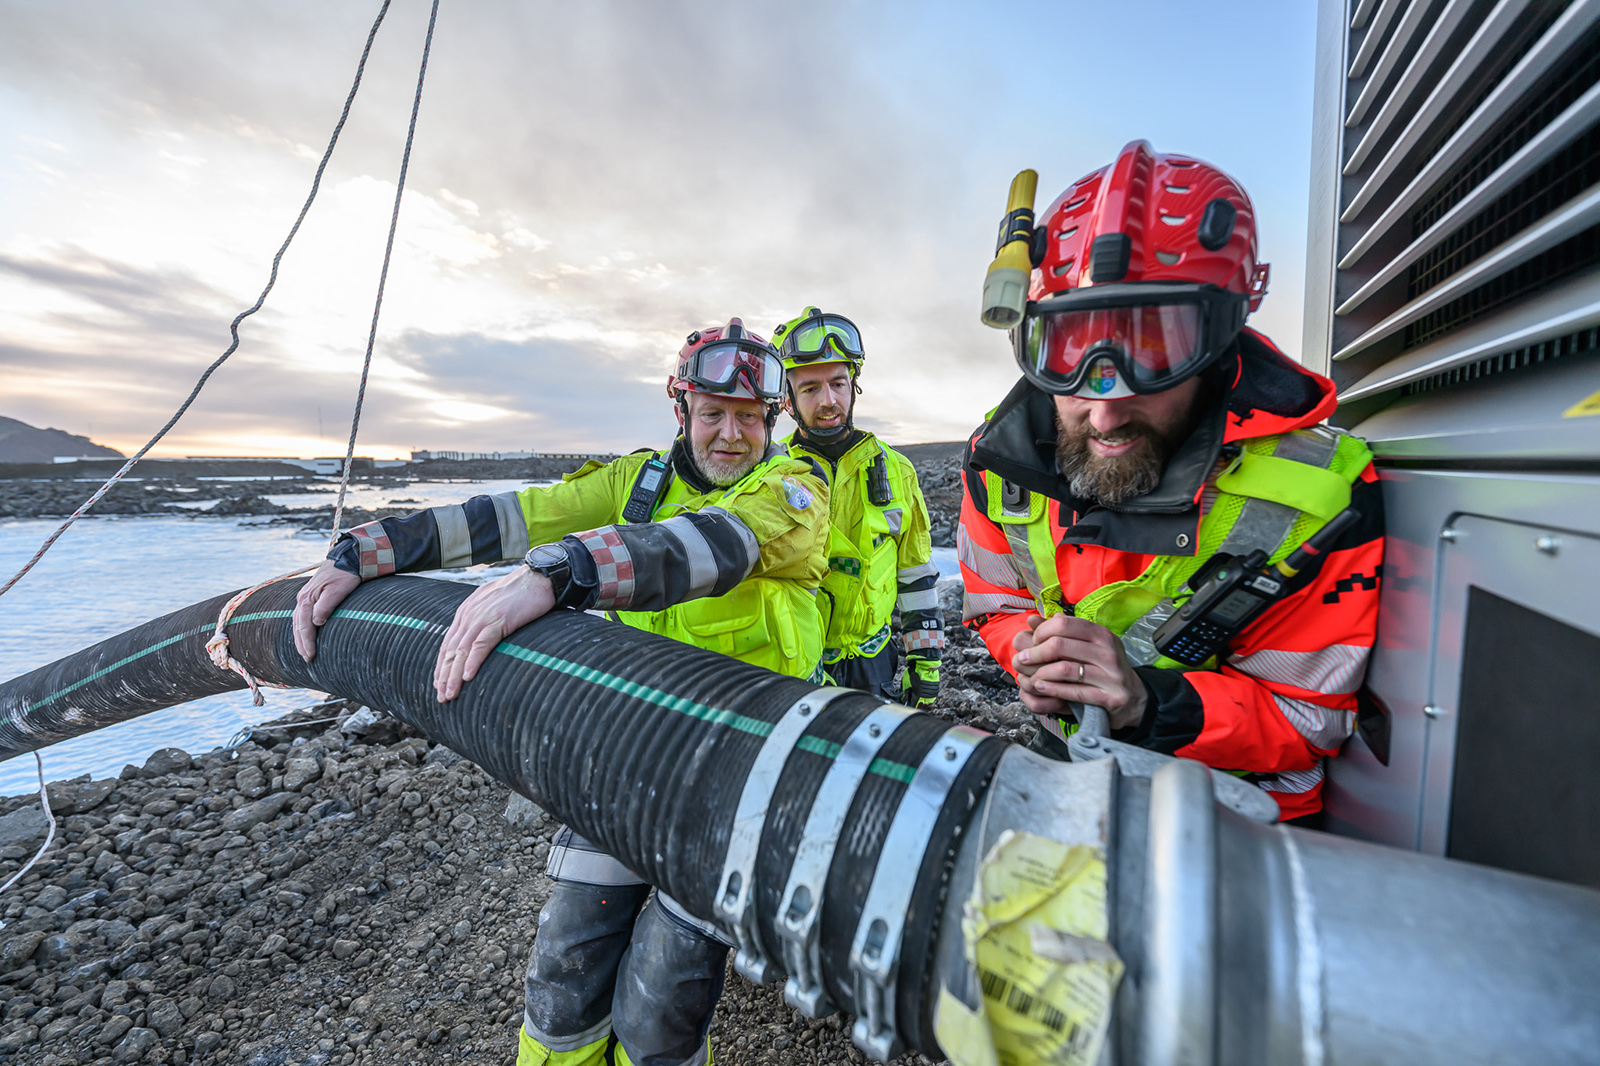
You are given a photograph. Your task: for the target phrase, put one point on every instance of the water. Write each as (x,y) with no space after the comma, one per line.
(106,575)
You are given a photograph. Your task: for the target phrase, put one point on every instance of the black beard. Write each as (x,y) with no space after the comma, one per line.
(1111,480)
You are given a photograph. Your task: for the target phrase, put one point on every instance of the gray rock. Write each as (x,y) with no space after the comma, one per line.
(951,592)
(254,814)
(251,782)
(19,1039)
(297,773)
(134,1045)
(167,761)
(116,932)
(358,724)
(342,949)
(222,987)
(23,826)
(207,1042)
(272,945)
(114,1029)
(79,795)
(50,897)
(57,949)
(165,1017)
(18,950)
(461,823)
(441,756)
(520,810)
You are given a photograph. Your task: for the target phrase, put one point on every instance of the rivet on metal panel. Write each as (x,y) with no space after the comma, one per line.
(1433,710)
(1548,545)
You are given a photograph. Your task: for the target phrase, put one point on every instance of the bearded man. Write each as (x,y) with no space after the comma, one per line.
(720,543)
(1150,435)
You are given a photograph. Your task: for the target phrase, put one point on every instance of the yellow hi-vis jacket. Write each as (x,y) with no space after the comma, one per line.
(732,570)
(878,555)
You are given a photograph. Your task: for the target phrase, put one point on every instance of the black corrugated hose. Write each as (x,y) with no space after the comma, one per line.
(638,742)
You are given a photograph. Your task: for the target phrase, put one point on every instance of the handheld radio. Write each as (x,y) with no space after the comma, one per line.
(1230,593)
(878,488)
(647,490)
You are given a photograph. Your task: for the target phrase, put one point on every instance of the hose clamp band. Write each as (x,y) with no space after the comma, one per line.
(875,952)
(735,900)
(797,925)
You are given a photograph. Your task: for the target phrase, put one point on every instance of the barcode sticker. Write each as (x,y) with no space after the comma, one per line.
(1036,931)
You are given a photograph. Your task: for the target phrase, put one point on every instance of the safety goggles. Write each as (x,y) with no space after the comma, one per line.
(1151,335)
(810,340)
(718,366)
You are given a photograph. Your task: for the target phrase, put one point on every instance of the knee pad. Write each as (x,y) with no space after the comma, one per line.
(583,935)
(667,988)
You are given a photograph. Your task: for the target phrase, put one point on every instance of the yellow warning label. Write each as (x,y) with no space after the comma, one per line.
(1035,931)
(1587,406)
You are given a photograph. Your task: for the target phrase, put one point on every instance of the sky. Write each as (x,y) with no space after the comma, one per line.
(589,183)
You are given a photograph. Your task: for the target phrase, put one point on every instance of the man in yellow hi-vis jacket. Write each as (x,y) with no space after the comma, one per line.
(880,553)
(721,543)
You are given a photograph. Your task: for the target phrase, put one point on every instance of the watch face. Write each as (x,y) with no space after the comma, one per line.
(545,555)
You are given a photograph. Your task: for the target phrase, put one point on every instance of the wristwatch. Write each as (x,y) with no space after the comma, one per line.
(551,560)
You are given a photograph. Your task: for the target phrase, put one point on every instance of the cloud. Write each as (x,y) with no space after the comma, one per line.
(590,182)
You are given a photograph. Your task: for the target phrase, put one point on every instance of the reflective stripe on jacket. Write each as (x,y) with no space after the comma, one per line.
(879,556)
(1284,695)
(733,570)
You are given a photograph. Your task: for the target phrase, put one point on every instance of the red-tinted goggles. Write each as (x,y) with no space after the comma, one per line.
(1156,334)
(720,365)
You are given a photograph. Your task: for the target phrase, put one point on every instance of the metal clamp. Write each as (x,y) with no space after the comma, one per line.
(735,899)
(801,906)
(875,951)
(1091,742)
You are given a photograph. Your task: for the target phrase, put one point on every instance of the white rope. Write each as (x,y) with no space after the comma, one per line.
(49,837)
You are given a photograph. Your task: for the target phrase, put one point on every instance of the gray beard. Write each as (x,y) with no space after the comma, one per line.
(721,474)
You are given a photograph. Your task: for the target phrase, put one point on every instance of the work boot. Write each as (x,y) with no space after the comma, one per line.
(572,971)
(667,988)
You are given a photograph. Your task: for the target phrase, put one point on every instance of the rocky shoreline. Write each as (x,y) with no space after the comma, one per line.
(327,892)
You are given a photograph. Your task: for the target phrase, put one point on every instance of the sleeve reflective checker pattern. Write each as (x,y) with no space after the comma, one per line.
(649,566)
(374,552)
(921,617)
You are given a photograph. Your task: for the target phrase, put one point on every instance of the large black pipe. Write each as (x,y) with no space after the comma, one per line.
(639,742)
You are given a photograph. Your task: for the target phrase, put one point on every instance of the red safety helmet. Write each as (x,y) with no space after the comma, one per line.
(728,361)
(1144,273)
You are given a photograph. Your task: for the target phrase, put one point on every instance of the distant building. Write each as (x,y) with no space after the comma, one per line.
(425,456)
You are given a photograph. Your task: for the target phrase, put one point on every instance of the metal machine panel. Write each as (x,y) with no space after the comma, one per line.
(1546,568)
(1418,659)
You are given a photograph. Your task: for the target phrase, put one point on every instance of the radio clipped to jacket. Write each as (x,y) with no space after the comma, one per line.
(1230,593)
(648,489)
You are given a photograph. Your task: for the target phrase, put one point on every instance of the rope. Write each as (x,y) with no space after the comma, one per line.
(217,646)
(383,276)
(44,800)
(272,280)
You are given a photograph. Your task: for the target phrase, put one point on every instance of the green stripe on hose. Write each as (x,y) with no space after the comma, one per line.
(102,672)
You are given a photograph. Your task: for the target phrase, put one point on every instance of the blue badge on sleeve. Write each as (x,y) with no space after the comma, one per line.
(796,494)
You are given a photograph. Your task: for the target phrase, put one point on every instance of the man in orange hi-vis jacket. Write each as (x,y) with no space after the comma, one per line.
(1150,433)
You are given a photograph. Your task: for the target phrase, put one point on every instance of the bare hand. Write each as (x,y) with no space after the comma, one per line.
(316,602)
(493,611)
(1064,658)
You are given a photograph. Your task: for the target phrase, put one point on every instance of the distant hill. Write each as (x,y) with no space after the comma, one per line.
(22,443)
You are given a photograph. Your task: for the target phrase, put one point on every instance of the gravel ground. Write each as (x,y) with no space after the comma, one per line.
(319,897)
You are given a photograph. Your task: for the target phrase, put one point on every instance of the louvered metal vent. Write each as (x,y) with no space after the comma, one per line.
(1458,190)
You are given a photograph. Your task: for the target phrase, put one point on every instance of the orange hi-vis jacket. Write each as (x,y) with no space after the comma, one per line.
(1283,696)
